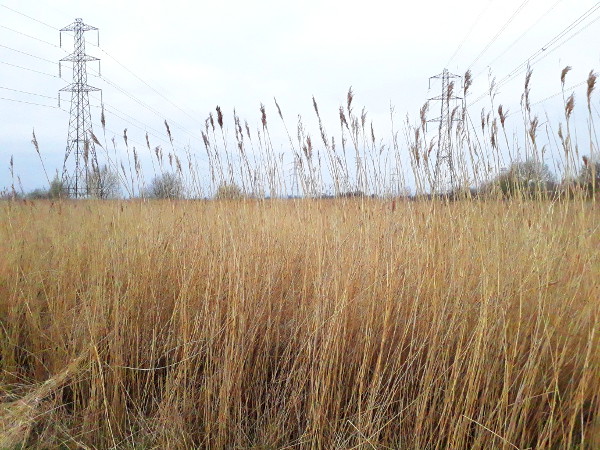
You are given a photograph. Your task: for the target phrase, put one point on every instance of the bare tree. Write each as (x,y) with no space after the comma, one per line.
(589,176)
(167,185)
(524,178)
(104,184)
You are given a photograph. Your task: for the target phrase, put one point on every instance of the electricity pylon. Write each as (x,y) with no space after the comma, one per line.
(79,142)
(445,170)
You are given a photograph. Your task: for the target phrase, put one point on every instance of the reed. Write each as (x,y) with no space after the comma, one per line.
(383,309)
(315,323)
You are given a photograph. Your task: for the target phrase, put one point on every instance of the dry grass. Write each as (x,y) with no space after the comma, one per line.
(342,323)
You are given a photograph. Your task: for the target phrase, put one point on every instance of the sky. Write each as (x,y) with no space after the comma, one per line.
(178,60)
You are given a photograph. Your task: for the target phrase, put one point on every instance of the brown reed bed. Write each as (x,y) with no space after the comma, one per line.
(313,323)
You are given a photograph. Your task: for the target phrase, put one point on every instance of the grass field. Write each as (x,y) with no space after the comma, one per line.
(349,323)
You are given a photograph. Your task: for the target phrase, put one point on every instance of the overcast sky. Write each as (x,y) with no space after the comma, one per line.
(183,58)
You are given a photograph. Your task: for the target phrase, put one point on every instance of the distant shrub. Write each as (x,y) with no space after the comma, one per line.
(166,186)
(104,183)
(589,176)
(523,178)
(9,194)
(38,194)
(351,194)
(57,189)
(229,191)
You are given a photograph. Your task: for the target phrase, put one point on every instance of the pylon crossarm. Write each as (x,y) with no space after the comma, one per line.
(78,88)
(74,57)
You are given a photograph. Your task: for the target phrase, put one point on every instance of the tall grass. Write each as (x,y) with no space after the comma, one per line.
(369,320)
(308,323)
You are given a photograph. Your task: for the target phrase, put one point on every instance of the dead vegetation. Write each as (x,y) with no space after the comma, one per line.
(312,323)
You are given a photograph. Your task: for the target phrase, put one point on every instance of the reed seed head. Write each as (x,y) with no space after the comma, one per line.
(279,109)
(563,75)
(35,143)
(219,117)
(169,132)
(263,115)
(591,84)
(570,105)
(349,99)
(468,81)
(502,114)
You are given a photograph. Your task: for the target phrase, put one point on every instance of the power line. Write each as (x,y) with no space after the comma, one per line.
(156,91)
(550,97)
(28,103)
(149,86)
(129,139)
(111,110)
(31,37)
(139,145)
(29,17)
(27,54)
(108,108)
(144,127)
(114,85)
(144,82)
(510,19)
(31,70)
(469,32)
(548,11)
(545,50)
(146,106)
(25,92)
(132,97)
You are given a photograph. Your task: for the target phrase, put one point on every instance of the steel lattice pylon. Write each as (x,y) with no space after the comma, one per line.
(80,146)
(445,176)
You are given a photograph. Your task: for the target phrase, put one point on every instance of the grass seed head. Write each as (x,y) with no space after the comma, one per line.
(450,90)
(563,75)
(591,84)
(570,105)
(533,126)
(95,139)
(343,120)
(219,117)
(263,115)
(482,119)
(169,132)
(315,106)
(468,82)
(528,78)
(372,133)
(247,128)
(35,143)
(349,99)
(279,109)
(503,114)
